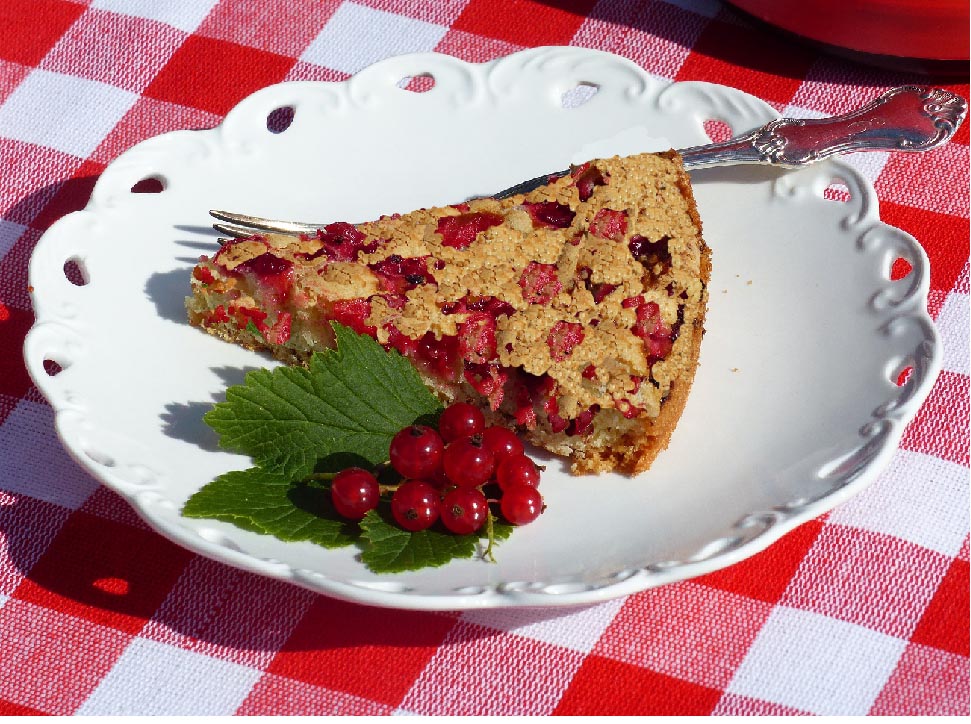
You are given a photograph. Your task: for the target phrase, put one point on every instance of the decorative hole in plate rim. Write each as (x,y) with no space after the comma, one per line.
(792,415)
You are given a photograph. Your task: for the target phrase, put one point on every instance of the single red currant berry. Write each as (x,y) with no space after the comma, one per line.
(502,441)
(416,451)
(467,462)
(415,505)
(464,510)
(521,504)
(354,492)
(517,470)
(459,420)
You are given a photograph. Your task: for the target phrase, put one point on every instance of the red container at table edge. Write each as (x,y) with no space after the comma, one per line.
(927,29)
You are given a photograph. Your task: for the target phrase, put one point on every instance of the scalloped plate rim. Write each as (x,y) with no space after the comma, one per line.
(632,581)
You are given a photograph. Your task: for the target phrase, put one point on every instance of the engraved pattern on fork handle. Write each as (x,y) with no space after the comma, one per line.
(907,118)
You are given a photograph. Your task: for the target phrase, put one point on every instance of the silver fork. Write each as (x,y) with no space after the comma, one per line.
(906,118)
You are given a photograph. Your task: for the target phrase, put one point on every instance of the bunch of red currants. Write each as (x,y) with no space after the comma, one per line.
(444,472)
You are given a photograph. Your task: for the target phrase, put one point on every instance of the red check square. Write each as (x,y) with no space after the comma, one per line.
(870,579)
(8,708)
(753,60)
(949,604)
(214,75)
(442,12)
(941,426)
(106,503)
(14,380)
(53,662)
(929,181)
(687,631)
(149,118)
(943,236)
(280,696)
(474,48)
(10,76)
(605,687)
(737,705)
(28,28)
(222,612)
(257,25)
(18,550)
(104,572)
(72,195)
(23,164)
(926,682)
(369,652)
(657,36)
(13,280)
(766,575)
(505,669)
(524,22)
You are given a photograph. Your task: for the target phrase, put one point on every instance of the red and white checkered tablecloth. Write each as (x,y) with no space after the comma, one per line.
(861,611)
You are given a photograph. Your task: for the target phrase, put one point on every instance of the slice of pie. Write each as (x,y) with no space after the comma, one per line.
(573,313)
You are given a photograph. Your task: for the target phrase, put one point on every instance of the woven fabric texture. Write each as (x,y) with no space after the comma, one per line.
(861,611)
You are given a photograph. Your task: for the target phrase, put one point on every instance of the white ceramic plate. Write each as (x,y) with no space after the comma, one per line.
(794,408)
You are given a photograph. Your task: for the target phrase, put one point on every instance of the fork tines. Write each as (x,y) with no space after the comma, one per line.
(244,225)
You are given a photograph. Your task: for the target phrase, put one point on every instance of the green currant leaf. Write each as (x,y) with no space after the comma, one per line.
(350,399)
(269,503)
(389,549)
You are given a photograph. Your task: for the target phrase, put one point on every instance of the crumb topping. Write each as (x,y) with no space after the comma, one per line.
(567,300)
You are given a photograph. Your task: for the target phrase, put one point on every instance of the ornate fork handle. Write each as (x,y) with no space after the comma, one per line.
(907,118)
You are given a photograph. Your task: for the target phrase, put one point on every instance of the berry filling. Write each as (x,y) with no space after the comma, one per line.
(353,313)
(539,283)
(203,274)
(658,336)
(550,215)
(609,224)
(488,380)
(228,246)
(272,273)
(398,275)
(439,356)
(563,337)
(477,338)
(459,231)
(585,178)
(651,253)
(342,242)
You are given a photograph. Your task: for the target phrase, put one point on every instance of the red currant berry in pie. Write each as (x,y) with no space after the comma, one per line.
(521,504)
(354,492)
(416,451)
(460,420)
(468,462)
(503,442)
(415,505)
(464,510)
(517,470)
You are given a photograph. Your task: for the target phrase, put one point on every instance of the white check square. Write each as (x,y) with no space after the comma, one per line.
(356,37)
(155,679)
(28,444)
(817,664)
(578,628)
(182,14)
(67,113)
(918,498)
(954,322)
